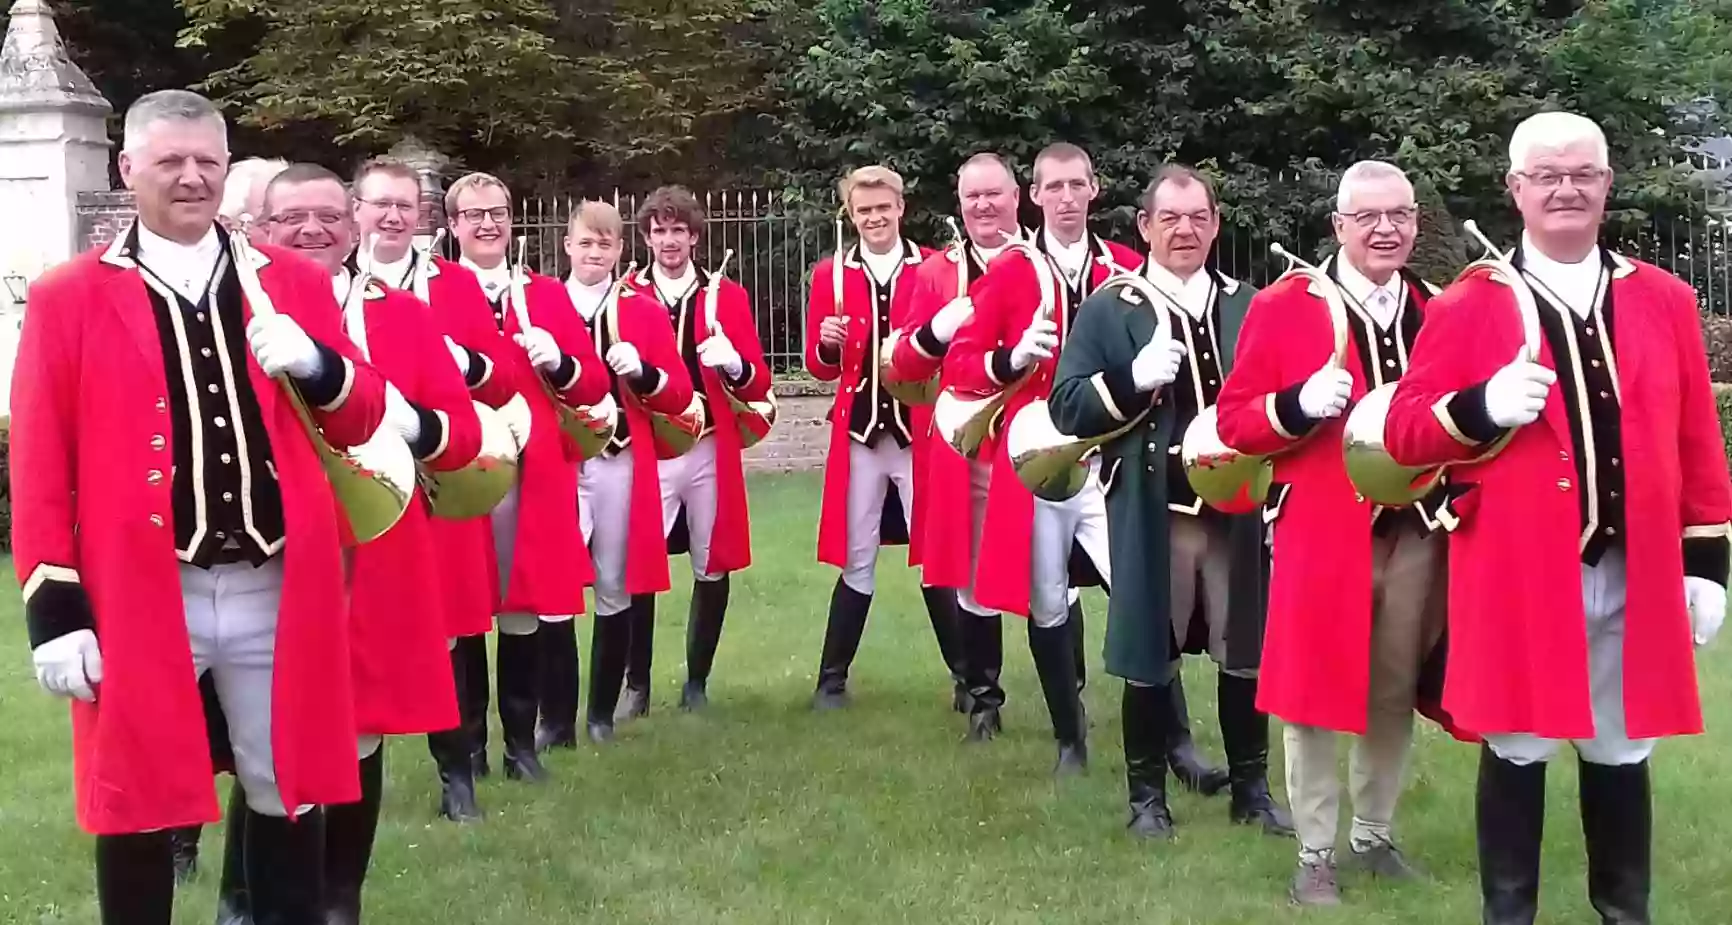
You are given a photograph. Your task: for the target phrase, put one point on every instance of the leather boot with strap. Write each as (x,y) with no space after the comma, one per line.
(1245,732)
(1188,766)
(1510,815)
(519,698)
(234,901)
(609,645)
(941,609)
(983,658)
(135,878)
(350,830)
(1054,649)
(470,659)
(703,635)
(640,658)
(285,867)
(1618,823)
(556,727)
(842,632)
(1144,725)
(451,753)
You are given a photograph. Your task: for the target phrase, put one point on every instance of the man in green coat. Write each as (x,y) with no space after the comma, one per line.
(1187,578)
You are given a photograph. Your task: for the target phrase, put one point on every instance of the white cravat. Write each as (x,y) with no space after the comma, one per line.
(1192,294)
(184,268)
(396,273)
(1575,283)
(493,280)
(588,299)
(882,266)
(1381,302)
(986,254)
(1071,258)
(340,284)
(673,289)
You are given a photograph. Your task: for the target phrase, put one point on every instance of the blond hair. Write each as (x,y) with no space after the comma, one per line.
(874,177)
(471,181)
(600,217)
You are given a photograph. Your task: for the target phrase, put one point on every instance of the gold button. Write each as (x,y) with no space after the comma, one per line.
(1594,363)
(201,316)
(154,477)
(1389,363)
(1614,460)
(1153,448)
(1358,498)
(1211,382)
(221,422)
(1388,342)
(1205,355)
(228,496)
(1605,394)
(1590,332)
(212,388)
(1564,456)
(204,351)
(1563,484)
(158,441)
(1614,495)
(227,458)
(162,404)
(156,520)
(1611,531)
(221,535)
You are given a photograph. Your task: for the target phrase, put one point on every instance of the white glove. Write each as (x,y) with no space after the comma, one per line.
(718,353)
(460,354)
(544,354)
(1037,343)
(280,346)
(1516,394)
(69,665)
(623,359)
(1157,364)
(400,415)
(1325,394)
(1707,602)
(951,318)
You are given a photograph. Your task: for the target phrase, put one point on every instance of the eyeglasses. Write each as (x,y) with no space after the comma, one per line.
(325,217)
(392,205)
(1368,218)
(499,214)
(1549,179)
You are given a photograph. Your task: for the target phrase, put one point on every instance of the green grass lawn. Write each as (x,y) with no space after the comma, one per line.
(762,812)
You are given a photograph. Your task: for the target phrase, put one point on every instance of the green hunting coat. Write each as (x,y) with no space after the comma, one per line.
(1093,394)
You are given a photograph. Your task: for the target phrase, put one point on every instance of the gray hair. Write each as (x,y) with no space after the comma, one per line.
(1552,131)
(1364,172)
(244,179)
(161,105)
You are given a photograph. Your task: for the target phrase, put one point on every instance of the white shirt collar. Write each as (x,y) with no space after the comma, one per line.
(1192,294)
(1383,303)
(340,283)
(673,289)
(1576,284)
(588,299)
(493,281)
(1071,258)
(986,254)
(396,273)
(882,266)
(185,268)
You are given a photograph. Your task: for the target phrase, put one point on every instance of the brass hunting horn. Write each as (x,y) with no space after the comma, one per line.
(589,426)
(680,432)
(921,391)
(1376,474)
(754,418)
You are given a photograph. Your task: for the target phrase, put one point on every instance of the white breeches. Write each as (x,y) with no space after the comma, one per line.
(604,513)
(1082,520)
(691,480)
(871,472)
(979,483)
(504,520)
(1603,601)
(231,624)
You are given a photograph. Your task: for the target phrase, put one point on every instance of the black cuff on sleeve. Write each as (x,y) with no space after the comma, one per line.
(648,381)
(746,373)
(324,388)
(432,435)
(56,609)
(829,356)
(564,376)
(475,371)
(1002,370)
(1122,386)
(1707,557)
(1288,411)
(928,342)
(1467,409)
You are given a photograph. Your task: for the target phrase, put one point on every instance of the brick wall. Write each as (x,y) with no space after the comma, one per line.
(101,216)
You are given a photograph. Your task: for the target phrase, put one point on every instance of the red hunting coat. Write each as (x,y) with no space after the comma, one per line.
(463,549)
(731,542)
(402,668)
(551,566)
(860,351)
(644,324)
(90,440)
(1316,664)
(1518,656)
(1006,301)
(942,531)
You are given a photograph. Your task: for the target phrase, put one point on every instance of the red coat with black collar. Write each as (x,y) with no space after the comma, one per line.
(550,565)
(1006,302)
(402,667)
(93,542)
(860,352)
(1316,664)
(731,541)
(1518,654)
(644,325)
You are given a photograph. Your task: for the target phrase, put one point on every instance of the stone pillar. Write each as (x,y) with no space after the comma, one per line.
(53,145)
(429,164)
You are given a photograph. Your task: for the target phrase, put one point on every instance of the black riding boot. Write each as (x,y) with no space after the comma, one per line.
(1188,766)
(185,842)
(942,610)
(451,756)
(842,631)
(1144,721)
(1080,636)
(285,868)
(609,642)
(1055,664)
(1618,822)
(234,902)
(135,878)
(470,658)
(560,682)
(1245,732)
(1510,813)
(703,635)
(640,654)
(350,829)
(519,683)
(983,658)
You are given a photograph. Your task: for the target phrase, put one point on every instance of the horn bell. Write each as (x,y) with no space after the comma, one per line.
(477,488)
(1048,461)
(676,434)
(966,423)
(373,482)
(590,427)
(906,391)
(1374,473)
(1224,478)
(754,418)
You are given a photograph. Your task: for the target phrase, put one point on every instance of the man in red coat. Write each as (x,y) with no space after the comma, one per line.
(870,483)
(543,565)
(1357,605)
(619,490)
(387,195)
(703,491)
(171,518)
(1591,551)
(1021,309)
